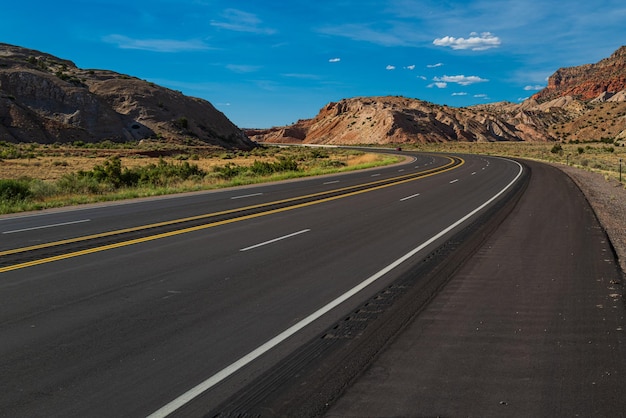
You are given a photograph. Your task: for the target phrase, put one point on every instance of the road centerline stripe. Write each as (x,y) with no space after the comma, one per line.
(372,186)
(275,240)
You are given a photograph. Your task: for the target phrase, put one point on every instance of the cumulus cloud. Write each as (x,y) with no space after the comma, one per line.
(334,60)
(155,45)
(475,42)
(390,67)
(439,64)
(438,84)
(410,67)
(533,88)
(460,79)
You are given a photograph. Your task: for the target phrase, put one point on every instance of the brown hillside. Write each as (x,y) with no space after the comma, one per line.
(46,99)
(398,120)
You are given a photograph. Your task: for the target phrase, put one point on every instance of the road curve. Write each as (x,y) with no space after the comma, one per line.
(124,328)
(533,325)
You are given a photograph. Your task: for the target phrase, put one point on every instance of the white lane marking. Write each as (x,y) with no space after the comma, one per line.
(454,181)
(375,175)
(246,195)
(331,182)
(401,170)
(474,173)
(409,197)
(253,355)
(274,240)
(46,226)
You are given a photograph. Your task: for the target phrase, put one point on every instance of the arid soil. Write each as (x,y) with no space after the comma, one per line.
(608,200)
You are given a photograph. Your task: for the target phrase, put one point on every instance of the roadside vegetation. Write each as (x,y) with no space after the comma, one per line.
(34,176)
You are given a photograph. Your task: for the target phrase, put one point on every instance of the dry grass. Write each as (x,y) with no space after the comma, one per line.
(52,167)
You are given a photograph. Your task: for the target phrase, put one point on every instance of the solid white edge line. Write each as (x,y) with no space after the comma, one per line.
(275,239)
(253,355)
(47,226)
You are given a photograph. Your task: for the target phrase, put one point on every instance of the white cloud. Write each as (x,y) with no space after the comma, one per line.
(475,42)
(439,64)
(438,84)
(410,67)
(243,68)
(461,93)
(481,96)
(334,60)
(460,79)
(422,77)
(156,45)
(533,88)
(240,21)
(390,67)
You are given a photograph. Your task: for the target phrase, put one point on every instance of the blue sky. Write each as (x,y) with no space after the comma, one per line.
(269,63)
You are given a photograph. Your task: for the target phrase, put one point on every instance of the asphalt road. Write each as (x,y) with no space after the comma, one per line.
(532,326)
(198,295)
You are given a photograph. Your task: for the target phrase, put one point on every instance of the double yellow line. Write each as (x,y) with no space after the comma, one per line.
(367,187)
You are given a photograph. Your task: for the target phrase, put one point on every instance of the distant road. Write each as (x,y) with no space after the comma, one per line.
(148,306)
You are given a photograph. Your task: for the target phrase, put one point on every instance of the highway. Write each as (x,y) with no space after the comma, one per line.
(173,305)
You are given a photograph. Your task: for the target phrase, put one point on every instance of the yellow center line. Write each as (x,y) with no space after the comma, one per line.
(205,226)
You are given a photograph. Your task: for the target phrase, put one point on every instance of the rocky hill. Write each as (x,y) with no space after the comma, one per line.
(587,82)
(397,120)
(46,99)
(586,103)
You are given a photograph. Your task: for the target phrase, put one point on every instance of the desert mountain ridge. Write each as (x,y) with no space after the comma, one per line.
(46,99)
(586,103)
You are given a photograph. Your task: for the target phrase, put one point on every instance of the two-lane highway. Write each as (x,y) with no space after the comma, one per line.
(148,306)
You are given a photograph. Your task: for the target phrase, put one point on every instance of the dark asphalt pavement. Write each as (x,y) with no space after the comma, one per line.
(532,326)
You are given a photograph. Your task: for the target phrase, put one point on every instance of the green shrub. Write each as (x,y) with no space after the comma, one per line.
(556,149)
(14,190)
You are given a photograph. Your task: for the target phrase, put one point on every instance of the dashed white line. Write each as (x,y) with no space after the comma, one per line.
(409,197)
(454,181)
(264,348)
(274,240)
(246,195)
(331,182)
(474,173)
(47,226)
(375,175)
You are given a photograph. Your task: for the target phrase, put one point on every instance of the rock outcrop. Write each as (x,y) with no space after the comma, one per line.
(398,120)
(46,99)
(587,82)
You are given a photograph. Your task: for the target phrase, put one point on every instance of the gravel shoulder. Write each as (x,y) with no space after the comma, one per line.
(608,200)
